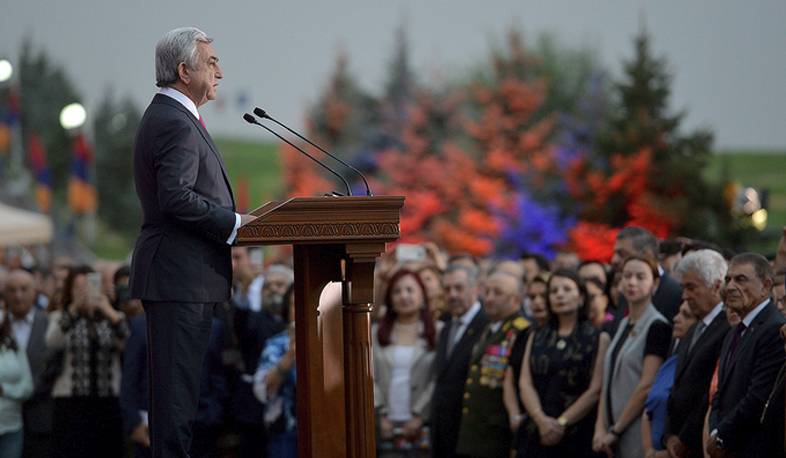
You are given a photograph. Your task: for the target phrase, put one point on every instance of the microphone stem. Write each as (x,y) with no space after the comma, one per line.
(368,189)
(346,183)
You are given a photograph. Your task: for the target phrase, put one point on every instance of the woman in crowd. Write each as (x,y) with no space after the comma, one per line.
(87,418)
(16,385)
(435,295)
(598,302)
(404,341)
(655,406)
(562,372)
(637,351)
(536,293)
(275,383)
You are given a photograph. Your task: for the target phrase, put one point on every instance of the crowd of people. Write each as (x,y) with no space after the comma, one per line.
(654,354)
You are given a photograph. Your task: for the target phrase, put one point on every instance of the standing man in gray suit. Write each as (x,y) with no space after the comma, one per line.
(181,265)
(29,325)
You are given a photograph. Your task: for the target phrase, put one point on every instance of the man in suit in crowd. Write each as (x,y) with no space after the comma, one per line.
(635,240)
(29,325)
(743,423)
(181,265)
(701,277)
(485,426)
(454,347)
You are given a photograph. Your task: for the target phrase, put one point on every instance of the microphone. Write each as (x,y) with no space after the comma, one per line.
(262,114)
(252,120)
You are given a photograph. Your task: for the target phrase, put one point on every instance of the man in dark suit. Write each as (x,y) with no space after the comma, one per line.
(701,276)
(750,359)
(454,348)
(29,324)
(635,240)
(181,265)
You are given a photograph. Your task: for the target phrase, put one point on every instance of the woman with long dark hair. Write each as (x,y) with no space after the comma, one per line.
(404,344)
(562,373)
(87,419)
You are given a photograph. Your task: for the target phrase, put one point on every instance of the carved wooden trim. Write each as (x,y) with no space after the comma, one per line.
(321,231)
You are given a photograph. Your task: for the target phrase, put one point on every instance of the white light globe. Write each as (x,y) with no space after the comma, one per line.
(6,70)
(73,116)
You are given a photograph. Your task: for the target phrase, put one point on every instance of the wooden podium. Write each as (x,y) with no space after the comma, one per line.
(335,239)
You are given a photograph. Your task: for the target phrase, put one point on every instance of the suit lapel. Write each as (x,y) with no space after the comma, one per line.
(749,335)
(205,135)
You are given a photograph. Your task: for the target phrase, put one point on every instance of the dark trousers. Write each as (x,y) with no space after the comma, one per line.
(177,337)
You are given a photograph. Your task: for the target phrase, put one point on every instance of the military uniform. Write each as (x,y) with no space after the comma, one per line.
(485,427)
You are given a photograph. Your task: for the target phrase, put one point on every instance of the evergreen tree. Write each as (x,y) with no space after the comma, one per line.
(44,91)
(114,129)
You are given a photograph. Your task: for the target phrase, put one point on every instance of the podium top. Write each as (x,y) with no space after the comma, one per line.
(324,220)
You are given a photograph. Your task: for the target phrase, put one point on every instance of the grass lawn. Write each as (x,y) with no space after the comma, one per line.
(765,171)
(258,163)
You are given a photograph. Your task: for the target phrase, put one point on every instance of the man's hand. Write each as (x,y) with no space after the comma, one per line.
(141,435)
(675,447)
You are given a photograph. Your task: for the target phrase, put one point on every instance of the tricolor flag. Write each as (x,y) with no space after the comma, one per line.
(9,114)
(82,195)
(43,177)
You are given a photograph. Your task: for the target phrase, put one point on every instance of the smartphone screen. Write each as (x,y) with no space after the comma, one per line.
(94,289)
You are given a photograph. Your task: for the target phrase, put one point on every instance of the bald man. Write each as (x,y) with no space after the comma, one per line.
(485,426)
(29,325)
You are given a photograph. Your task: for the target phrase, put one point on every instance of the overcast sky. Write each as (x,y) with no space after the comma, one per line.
(727,57)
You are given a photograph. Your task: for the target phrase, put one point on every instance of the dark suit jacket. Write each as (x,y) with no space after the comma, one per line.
(181,254)
(668,297)
(688,400)
(451,373)
(45,365)
(744,385)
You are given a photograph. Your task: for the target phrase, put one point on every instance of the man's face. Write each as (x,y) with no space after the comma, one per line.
(202,81)
(700,298)
(623,249)
(744,290)
(501,298)
(275,284)
(240,259)
(19,294)
(459,294)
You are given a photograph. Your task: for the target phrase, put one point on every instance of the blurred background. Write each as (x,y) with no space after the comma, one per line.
(509,125)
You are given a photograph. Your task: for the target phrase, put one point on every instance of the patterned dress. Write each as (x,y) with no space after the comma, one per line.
(561,369)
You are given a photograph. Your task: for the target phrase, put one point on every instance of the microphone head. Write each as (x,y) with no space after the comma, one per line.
(249,118)
(260,112)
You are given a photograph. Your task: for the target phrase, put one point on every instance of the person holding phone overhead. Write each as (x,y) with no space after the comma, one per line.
(91,333)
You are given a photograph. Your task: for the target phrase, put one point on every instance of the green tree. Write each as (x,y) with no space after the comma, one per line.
(114,128)
(642,121)
(44,91)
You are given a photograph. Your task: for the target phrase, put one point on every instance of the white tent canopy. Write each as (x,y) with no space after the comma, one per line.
(22,227)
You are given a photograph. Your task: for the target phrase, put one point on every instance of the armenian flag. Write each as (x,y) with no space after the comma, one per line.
(36,154)
(82,195)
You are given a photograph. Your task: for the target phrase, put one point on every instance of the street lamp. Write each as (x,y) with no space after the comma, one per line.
(6,70)
(73,116)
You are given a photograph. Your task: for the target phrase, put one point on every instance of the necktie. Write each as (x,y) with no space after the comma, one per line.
(202,121)
(699,329)
(735,340)
(454,326)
